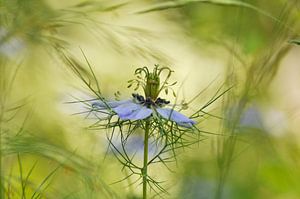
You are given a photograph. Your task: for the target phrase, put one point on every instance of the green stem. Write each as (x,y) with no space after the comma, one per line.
(144,171)
(1,172)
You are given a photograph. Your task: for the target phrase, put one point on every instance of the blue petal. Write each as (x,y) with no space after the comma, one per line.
(112,104)
(132,111)
(139,114)
(175,116)
(126,109)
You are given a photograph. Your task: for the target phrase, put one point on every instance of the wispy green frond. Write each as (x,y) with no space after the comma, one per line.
(181,3)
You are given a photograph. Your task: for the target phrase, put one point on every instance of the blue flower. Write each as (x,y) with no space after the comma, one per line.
(139,108)
(10,46)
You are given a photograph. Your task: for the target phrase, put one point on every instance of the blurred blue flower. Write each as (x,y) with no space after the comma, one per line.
(252,118)
(248,118)
(140,108)
(199,187)
(10,46)
(135,146)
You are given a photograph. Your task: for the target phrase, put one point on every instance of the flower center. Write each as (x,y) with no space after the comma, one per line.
(148,102)
(152,86)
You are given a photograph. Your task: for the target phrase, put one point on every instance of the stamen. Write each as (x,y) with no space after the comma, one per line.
(160,102)
(141,98)
(148,102)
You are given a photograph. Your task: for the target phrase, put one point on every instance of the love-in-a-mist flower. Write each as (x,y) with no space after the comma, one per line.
(147,116)
(165,129)
(140,107)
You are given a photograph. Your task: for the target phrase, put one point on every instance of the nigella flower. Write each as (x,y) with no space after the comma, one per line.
(165,129)
(140,107)
(10,46)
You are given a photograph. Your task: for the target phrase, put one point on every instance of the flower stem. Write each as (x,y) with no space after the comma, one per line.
(144,171)
(1,166)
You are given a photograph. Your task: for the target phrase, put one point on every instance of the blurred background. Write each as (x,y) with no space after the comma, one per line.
(252,145)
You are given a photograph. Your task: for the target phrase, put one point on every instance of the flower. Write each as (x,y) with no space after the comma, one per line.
(247,118)
(139,108)
(10,46)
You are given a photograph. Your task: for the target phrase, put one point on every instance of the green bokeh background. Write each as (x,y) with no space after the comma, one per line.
(239,44)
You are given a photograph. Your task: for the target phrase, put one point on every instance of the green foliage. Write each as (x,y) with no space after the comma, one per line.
(46,152)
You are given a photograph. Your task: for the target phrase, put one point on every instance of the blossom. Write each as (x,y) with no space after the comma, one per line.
(149,105)
(249,118)
(10,46)
(139,108)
